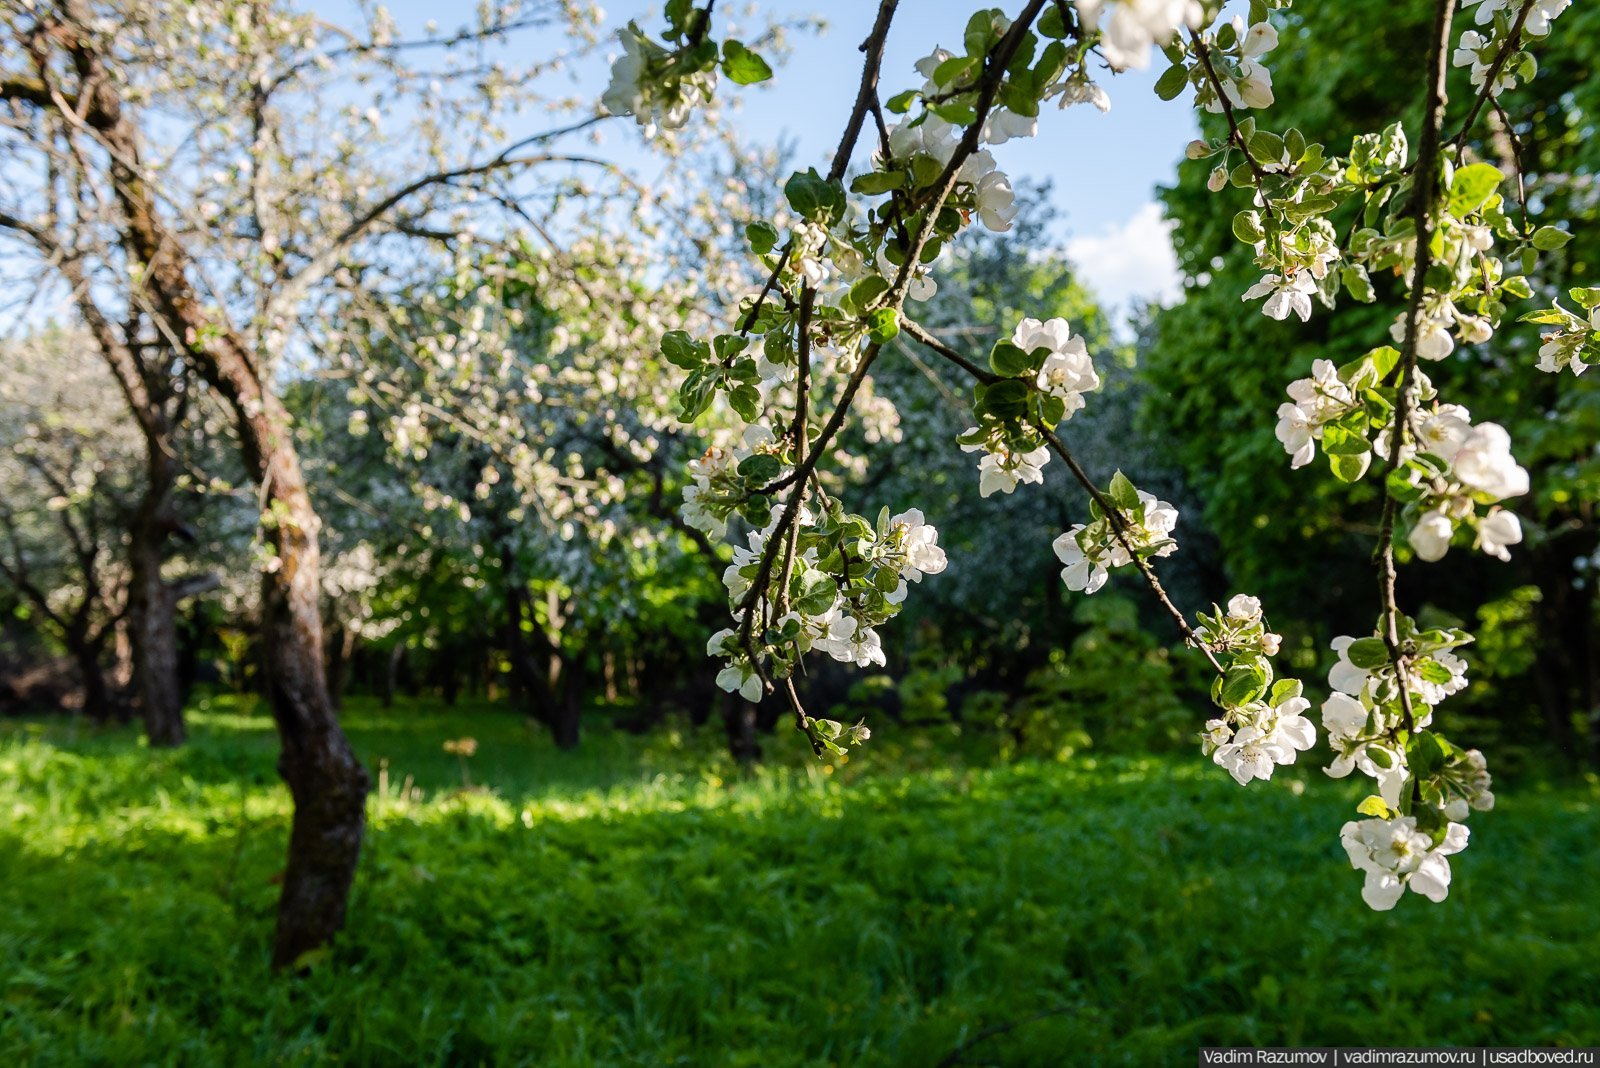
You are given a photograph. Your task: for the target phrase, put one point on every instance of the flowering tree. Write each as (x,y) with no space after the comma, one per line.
(849,262)
(229,182)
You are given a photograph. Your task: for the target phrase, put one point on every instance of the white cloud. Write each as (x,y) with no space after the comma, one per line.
(1128,261)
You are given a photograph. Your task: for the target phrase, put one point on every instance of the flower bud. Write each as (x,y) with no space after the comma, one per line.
(1198,149)
(1218,179)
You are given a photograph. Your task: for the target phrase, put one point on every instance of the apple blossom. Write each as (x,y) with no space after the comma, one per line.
(1130,27)
(1284,294)
(1395,855)
(1497,531)
(1484,463)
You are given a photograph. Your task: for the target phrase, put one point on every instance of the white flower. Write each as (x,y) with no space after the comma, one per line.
(1395,855)
(845,639)
(976,166)
(1255,749)
(1003,469)
(1244,607)
(1345,676)
(623,95)
(1294,430)
(997,204)
(1067,372)
(743,678)
(932,136)
(1081,573)
(1132,26)
(1258,40)
(1253,87)
(1284,295)
(1080,90)
(1431,535)
(1497,531)
(1443,431)
(1484,463)
(1433,330)
(1344,720)
(1002,124)
(919,541)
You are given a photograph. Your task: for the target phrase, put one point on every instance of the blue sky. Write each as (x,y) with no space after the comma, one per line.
(1104,167)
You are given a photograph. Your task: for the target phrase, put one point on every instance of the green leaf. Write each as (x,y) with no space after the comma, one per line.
(742,66)
(1358,285)
(1006,399)
(1424,754)
(901,102)
(1283,690)
(1369,654)
(1548,238)
(953,68)
(746,400)
(1241,684)
(1373,805)
(681,350)
(867,290)
(763,237)
(1009,361)
(760,468)
(1546,317)
(1471,186)
(1123,494)
(874,182)
(1051,24)
(883,325)
(1247,227)
(814,197)
(1171,82)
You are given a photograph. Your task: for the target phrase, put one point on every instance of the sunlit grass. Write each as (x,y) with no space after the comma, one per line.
(644,901)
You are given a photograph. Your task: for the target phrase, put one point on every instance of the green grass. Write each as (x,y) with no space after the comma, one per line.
(638,902)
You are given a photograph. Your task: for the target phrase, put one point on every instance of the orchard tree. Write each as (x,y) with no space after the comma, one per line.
(235,175)
(819,577)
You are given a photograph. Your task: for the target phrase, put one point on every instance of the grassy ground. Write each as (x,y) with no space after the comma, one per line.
(638,902)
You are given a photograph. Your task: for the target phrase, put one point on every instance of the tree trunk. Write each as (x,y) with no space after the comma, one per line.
(328,784)
(96,694)
(153,628)
(739,716)
(569,710)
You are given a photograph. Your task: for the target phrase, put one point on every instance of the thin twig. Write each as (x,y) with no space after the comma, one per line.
(1513,39)
(1120,527)
(1234,133)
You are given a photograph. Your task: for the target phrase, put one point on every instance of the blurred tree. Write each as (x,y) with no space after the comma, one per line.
(68,465)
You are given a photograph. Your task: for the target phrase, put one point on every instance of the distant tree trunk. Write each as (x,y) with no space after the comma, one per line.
(341,648)
(739,716)
(569,711)
(153,628)
(1562,670)
(391,674)
(97,703)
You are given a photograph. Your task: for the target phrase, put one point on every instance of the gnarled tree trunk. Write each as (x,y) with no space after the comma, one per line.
(328,784)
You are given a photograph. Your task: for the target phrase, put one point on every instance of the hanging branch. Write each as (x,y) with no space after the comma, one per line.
(1424,195)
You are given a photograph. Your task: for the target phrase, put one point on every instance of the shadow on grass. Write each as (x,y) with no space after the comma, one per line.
(1152,905)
